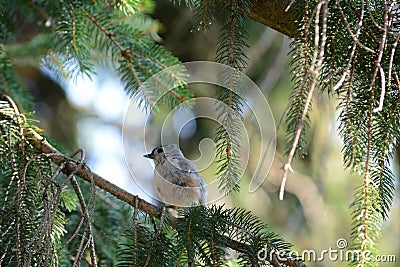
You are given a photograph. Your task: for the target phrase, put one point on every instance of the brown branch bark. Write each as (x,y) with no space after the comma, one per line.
(275,14)
(85,173)
(272,13)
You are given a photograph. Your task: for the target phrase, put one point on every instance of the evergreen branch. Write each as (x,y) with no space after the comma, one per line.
(124,52)
(168,89)
(204,21)
(354,50)
(316,65)
(367,185)
(369,137)
(233,22)
(354,36)
(365,214)
(365,24)
(127,6)
(72,167)
(386,188)
(31,234)
(165,67)
(71,47)
(230,52)
(391,59)
(381,49)
(368,169)
(139,83)
(135,227)
(386,11)
(190,252)
(293,117)
(139,55)
(244,244)
(204,11)
(147,248)
(88,219)
(85,173)
(347,130)
(366,218)
(213,247)
(132,60)
(232,64)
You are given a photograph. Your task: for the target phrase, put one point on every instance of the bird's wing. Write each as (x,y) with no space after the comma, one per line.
(194,179)
(187,166)
(190,176)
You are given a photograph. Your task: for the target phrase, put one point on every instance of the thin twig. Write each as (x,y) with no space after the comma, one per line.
(316,64)
(76,232)
(346,24)
(387,11)
(135,227)
(88,219)
(353,50)
(388,130)
(290,5)
(394,46)
(378,66)
(383,91)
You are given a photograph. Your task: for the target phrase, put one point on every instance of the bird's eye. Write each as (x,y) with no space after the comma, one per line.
(160,150)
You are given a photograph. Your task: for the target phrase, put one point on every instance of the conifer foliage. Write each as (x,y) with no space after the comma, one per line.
(31,220)
(48,216)
(349,50)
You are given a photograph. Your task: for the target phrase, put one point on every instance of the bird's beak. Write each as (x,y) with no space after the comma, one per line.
(150,156)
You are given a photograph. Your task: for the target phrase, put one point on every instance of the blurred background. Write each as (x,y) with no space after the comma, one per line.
(315,212)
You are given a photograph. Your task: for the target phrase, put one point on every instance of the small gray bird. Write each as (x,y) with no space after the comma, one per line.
(176,178)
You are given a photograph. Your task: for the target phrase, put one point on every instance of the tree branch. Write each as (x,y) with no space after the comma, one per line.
(274,14)
(78,168)
(85,173)
(279,15)
(71,166)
